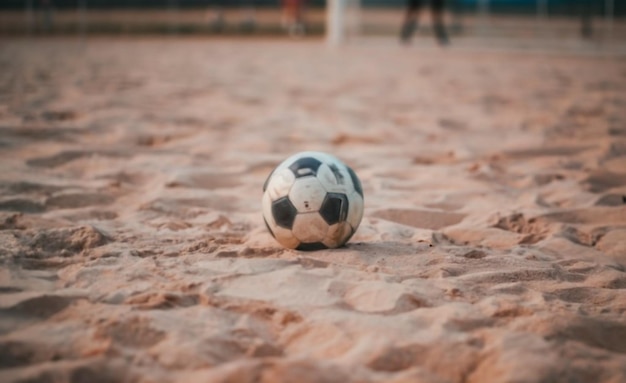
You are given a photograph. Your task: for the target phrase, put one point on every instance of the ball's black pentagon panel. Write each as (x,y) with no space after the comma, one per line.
(334,208)
(305,166)
(284,212)
(267,225)
(355,181)
(311,246)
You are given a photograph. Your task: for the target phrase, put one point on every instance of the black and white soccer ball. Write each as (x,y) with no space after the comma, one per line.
(312,201)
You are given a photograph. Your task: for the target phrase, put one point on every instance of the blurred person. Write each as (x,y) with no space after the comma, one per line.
(248,20)
(293,16)
(586,27)
(410,20)
(46,15)
(215,15)
(217,19)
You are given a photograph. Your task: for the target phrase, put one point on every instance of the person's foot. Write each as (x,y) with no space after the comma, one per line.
(297,30)
(442,36)
(248,25)
(217,24)
(443,40)
(408,29)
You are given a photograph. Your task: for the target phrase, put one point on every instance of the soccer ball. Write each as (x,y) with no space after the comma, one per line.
(312,201)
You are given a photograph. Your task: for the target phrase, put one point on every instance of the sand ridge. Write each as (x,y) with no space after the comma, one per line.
(132,246)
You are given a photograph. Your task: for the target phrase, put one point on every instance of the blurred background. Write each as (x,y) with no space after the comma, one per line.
(598,22)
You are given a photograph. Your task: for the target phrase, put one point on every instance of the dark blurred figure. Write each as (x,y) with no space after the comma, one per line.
(217,20)
(410,20)
(46,15)
(216,15)
(586,27)
(248,20)
(293,17)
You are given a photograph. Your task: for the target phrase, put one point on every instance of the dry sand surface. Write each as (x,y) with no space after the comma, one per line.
(132,247)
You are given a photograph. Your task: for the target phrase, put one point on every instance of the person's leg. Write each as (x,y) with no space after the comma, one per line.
(438,7)
(300,16)
(410,20)
(586,26)
(218,21)
(286,4)
(298,11)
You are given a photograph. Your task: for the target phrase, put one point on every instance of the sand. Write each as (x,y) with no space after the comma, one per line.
(132,247)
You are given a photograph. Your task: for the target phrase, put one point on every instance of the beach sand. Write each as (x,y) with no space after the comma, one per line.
(132,246)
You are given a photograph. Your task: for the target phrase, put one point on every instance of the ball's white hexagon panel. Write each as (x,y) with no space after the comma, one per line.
(266,205)
(307,194)
(310,227)
(325,157)
(285,237)
(280,183)
(337,234)
(335,178)
(355,211)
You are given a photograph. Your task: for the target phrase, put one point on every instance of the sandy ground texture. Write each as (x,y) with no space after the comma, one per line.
(132,246)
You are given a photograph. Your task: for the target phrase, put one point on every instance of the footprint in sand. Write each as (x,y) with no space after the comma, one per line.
(30,187)
(533,230)
(158,140)
(162,301)
(91,215)
(423,219)
(600,297)
(10,290)
(549,151)
(190,207)
(42,306)
(64,157)
(594,332)
(379,298)
(21,134)
(209,181)
(134,332)
(601,180)
(444,205)
(538,228)
(57,159)
(588,237)
(494,102)
(618,130)
(449,361)
(15,353)
(21,205)
(33,203)
(600,216)
(78,200)
(613,244)
(347,139)
(59,115)
(64,241)
(453,125)
(585,111)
